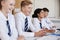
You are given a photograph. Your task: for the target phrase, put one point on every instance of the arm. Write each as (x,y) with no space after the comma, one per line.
(20,38)
(36,25)
(14,30)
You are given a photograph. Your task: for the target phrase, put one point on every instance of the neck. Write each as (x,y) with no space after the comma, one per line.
(24,12)
(4,13)
(39,18)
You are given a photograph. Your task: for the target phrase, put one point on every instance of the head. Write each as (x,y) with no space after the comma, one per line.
(38,13)
(7,5)
(26,7)
(46,11)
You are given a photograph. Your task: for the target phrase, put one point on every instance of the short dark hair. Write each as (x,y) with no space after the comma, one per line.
(25,2)
(45,9)
(36,12)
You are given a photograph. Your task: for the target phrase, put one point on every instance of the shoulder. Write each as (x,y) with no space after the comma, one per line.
(18,15)
(35,19)
(11,16)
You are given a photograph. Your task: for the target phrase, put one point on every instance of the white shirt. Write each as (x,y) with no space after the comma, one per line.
(48,23)
(45,24)
(36,24)
(20,23)
(4,30)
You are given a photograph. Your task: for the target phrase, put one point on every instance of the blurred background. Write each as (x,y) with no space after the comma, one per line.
(52,5)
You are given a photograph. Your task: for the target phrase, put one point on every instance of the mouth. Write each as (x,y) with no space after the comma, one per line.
(10,10)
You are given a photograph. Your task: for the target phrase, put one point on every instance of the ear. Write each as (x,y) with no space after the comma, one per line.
(38,14)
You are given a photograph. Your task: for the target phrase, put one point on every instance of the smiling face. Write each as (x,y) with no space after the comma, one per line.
(8,5)
(45,14)
(41,15)
(27,9)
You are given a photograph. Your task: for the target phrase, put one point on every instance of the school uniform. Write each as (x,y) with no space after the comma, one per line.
(38,24)
(49,23)
(21,20)
(44,22)
(7,27)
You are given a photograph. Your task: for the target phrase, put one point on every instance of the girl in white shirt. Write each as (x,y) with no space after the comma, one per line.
(38,20)
(7,22)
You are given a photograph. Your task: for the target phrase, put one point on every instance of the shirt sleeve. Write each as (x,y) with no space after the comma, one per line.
(51,23)
(36,24)
(14,30)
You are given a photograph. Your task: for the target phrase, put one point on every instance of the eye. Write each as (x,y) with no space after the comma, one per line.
(12,4)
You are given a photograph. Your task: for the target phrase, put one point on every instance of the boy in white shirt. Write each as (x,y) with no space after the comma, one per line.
(24,23)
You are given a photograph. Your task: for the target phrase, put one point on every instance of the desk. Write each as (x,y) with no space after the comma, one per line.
(49,37)
(44,38)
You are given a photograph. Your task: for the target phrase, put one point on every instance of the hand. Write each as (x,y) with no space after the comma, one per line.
(50,31)
(40,33)
(20,38)
(53,26)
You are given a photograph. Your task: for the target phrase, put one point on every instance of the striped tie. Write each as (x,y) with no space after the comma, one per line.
(8,26)
(26,25)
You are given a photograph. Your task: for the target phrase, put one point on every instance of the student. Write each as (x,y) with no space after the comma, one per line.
(7,22)
(23,21)
(49,24)
(38,19)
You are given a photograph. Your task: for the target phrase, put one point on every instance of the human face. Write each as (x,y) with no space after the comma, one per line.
(45,14)
(8,5)
(41,15)
(28,9)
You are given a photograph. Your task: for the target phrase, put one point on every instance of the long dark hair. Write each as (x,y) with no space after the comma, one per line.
(0,4)
(36,12)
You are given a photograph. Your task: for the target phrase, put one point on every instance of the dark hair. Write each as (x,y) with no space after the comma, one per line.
(37,11)
(45,9)
(25,2)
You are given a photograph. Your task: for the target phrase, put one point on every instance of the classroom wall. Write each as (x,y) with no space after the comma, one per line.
(52,5)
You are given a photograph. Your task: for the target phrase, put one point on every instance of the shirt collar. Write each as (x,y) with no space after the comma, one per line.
(3,17)
(23,15)
(37,20)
